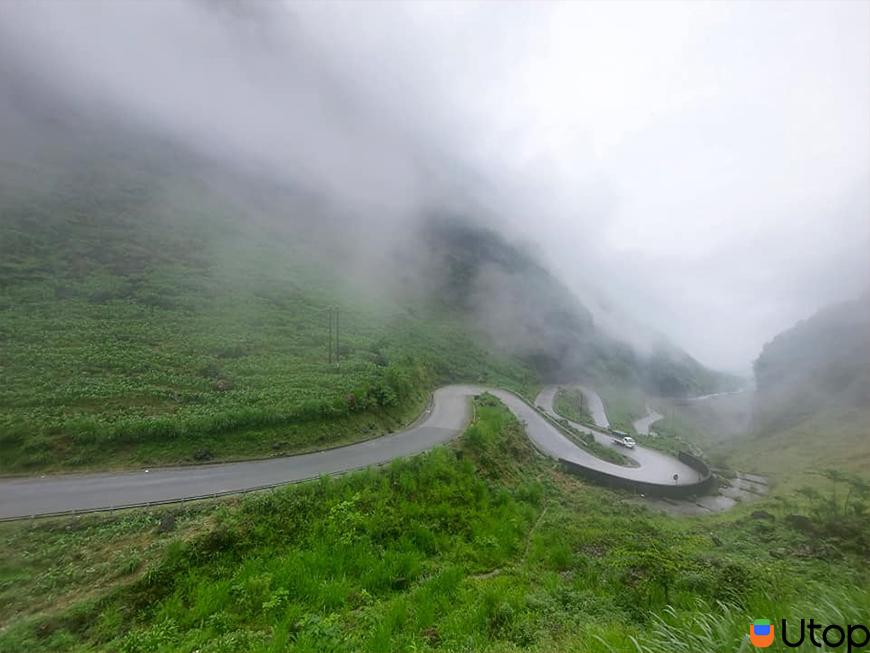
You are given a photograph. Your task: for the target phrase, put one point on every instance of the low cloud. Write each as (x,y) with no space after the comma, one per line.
(700,169)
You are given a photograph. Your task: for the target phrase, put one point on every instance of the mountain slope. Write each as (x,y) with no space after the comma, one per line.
(824,360)
(520,308)
(811,410)
(150,313)
(158,306)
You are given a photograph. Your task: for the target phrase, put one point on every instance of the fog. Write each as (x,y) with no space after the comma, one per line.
(702,170)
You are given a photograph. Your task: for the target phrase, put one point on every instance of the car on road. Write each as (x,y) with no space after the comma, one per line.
(626,441)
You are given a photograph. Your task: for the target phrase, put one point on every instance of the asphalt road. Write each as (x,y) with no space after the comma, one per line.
(595,407)
(643,424)
(447,417)
(653,466)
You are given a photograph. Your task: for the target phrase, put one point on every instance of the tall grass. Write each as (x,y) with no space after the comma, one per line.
(723,627)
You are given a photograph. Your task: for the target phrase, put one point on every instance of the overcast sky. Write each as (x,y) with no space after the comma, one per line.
(703,169)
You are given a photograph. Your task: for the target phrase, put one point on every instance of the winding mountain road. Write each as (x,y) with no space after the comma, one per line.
(448,415)
(653,466)
(595,406)
(643,424)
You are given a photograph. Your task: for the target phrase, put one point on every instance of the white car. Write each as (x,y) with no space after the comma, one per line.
(626,441)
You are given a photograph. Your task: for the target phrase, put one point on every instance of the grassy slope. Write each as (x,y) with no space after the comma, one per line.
(137,330)
(148,317)
(570,404)
(481,546)
(790,457)
(832,439)
(623,404)
(811,410)
(708,421)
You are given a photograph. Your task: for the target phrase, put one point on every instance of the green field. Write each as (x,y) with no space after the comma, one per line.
(116,384)
(479,546)
(172,334)
(152,315)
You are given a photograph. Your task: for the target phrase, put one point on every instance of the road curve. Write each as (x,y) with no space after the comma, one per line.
(642,425)
(653,466)
(446,418)
(595,406)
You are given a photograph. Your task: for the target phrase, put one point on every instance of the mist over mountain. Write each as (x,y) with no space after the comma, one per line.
(428,326)
(641,184)
(89,193)
(821,362)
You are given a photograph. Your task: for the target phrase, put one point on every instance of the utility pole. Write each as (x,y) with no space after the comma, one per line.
(330,335)
(337,311)
(333,342)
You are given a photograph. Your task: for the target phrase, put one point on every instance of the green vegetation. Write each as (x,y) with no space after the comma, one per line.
(480,546)
(790,458)
(139,332)
(120,384)
(623,404)
(569,403)
(708,421)
(793,457)
(811,410)
(820,362)
(809,414)
(675,433)
(149,315)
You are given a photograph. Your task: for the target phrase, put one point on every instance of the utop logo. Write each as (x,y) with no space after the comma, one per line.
(852,637)
(761,633)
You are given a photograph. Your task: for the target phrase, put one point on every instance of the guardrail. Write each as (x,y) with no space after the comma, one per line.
(695,463)
(675,491)
(705,482)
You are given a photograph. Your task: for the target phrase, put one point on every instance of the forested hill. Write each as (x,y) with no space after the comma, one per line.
(510,297)
(821,361)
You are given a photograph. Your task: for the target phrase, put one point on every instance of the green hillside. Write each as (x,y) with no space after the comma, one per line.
(811,410)
(159,307)
(146,319)
(671,372)
(809,414)
(821,361)
(480,546)
(150,318)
